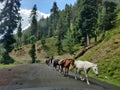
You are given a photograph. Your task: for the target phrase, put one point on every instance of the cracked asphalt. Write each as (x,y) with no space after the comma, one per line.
(43,77)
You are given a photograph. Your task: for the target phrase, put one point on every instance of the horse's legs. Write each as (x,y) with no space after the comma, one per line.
(61,68)
(86,75)
(76,73)
(64,71)
(58,67)
(81,75)
(67,71)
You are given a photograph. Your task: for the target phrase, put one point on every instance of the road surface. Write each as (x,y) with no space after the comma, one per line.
(43,77)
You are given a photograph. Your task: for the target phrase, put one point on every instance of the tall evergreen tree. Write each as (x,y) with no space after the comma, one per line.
(60,36)
(70,39)
(9,18)
(19,32)
(54,17)
(68,15)
(32,51)
(76,11)
(110,14)
(33,21)
(88,19)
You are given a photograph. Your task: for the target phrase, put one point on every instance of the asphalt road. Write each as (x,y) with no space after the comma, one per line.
(43,77)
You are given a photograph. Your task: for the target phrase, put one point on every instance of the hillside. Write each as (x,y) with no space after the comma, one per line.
(21,55)
(107,56)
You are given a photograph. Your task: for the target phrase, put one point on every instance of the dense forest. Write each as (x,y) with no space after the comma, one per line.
(76,24)
(83,23)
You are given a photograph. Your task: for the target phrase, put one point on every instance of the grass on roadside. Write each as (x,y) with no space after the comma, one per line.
(7,66)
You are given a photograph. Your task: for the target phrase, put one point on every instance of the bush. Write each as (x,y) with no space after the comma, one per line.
(32,53)
(6,59)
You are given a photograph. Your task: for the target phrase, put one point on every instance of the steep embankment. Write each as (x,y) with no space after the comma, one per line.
(107,56)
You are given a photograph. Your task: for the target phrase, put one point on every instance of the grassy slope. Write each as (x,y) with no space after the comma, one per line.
(7,66)
(107,56)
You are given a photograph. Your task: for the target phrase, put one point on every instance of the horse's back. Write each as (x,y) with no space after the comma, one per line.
(81,64)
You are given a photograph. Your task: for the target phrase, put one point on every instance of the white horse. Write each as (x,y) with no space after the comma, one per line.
(85,66)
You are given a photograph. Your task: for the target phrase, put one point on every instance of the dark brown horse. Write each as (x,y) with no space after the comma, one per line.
(56,63)
(48,60)
(65,64)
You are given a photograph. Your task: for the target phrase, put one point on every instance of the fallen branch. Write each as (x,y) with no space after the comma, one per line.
(87,48)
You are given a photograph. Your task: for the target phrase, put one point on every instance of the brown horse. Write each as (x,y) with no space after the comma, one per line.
(65,64)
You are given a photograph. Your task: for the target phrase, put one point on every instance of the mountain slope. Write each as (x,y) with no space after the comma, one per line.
(107,56)
(25,17)
(25,14)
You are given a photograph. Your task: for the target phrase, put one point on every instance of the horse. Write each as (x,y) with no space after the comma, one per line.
(85,66)
(56,63)
(48,60)
(65,64)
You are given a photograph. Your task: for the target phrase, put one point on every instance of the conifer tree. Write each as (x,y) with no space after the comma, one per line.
(60,36)
(33,21)
(9,18)
(88,21)
(110,14)
(54,17)
(32,51)
(19,32)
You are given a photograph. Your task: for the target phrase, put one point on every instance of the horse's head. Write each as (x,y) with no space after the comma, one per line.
(72,62)
(95,69)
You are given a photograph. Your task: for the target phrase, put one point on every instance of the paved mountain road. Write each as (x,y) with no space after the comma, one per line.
(43,77)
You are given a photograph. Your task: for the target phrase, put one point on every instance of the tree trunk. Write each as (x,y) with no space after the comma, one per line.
(95,38)
(87,40)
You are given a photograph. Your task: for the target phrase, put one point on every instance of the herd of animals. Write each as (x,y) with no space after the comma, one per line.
(63,67)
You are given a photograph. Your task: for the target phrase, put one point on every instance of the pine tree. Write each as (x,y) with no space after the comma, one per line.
(68,16)
(70,39)
(88,19)
(9,18)
(33,21)
(54,17)
(60,36)
(32,51)
(110,14)
(19,33)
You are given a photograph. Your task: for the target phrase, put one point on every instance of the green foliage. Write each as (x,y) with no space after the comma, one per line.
(32,39)
(32,53)
(59,46)
(88,20)
(51,47)
(69,40)
(7,66)
(110,15)
(107,55)
(54,17)
(6,59)
(9,17)
(33,17)
(43,42)
(19,33)
(26,37)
